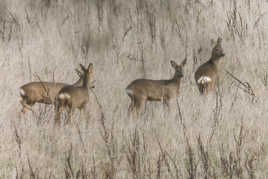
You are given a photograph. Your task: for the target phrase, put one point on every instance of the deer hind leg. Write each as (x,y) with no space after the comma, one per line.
(57,118)
(69,113)
(57,114)
(203,88)
(216,84)
(59,106)
(26,106)
(212,86)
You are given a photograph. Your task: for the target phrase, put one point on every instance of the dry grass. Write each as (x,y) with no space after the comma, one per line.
(222,135)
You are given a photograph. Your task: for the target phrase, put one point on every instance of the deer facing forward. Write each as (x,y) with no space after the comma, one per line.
(207,74)
(142,90)
(72,97)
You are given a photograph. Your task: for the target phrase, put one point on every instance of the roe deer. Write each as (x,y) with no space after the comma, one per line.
(71,97)
(42,92)
(207,74)
(142,90)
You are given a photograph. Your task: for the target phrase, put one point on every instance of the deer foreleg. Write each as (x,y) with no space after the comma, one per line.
(171,104)
(140,106)
(25,106)
(130,108)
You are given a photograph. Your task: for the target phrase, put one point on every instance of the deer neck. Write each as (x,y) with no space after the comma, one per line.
(176,79)
(85,82)
(214,60)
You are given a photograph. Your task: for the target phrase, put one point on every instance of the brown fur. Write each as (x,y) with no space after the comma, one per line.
(142,90)
(209,70)
(71,97)
(42,92)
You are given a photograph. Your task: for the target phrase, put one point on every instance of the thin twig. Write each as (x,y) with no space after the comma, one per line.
(248,89)
(43,85)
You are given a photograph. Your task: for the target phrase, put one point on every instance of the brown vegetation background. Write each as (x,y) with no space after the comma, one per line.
(223,135)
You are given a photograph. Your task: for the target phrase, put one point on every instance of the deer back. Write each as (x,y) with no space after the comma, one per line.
(158,89)
(154,89)
(147,88)
(43,92)
(206,74)
(208,70)
(76,96)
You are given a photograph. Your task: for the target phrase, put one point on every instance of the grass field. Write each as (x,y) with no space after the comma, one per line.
(222,135)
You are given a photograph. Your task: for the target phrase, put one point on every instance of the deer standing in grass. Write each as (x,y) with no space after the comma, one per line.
(42,92)
(142,90)
(207,74)
(72,97)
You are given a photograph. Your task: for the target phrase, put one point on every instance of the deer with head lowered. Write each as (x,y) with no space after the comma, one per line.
(43,92)
(207,74)
(142,90)
(72,97)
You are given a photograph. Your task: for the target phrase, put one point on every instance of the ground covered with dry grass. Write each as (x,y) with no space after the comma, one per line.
(222,135)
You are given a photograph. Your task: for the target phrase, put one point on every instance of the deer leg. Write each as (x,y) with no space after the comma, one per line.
(134,107)
(140,106)
(130,108)
(25,106)
(204,88)
(144,106)
(171,104)
(57,118)
(68,107)
(70,115)
(201,88)
(167,104)
(57,114)
(82,112)
(216,85)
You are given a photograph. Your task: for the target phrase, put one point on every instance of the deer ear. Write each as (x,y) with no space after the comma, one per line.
(90,67)
(173,64)
(82,67)
(184,62)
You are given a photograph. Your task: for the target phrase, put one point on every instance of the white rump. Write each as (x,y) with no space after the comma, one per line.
(204,79)
(64,95)
(22,92)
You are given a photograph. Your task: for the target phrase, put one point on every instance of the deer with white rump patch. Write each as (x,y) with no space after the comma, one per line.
(142,90)
(207,74)
(43,92)
(72,97)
